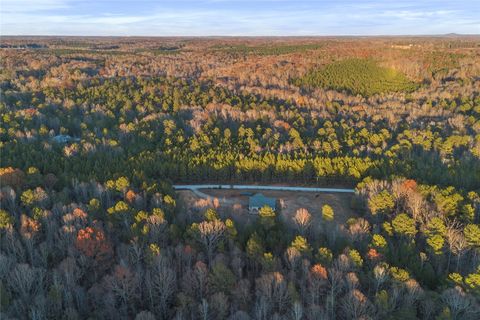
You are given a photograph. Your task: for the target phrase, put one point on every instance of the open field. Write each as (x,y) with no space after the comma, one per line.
(234,203)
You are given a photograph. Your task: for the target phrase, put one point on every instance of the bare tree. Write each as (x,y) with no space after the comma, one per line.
(161,284)
(125,286)
(210,233)
(303,220)
(220,305)
(203,309)
(273,288)
(195,281)
(456,243)
(293,257)
(7,198)
(297,311)
(13,245)
(135,252)
(26,281)
(414,291)
(461,305)
(355,305)
(335,280)
(380,274)
(351,281)
(157,225)
(70,271)
(145,315)
(417,206)
(262,308)
(6,264)
(317,280)
(240,315)
(359,230)
(242,293)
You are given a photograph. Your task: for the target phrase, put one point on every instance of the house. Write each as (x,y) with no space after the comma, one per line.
(258,201)
(62,138)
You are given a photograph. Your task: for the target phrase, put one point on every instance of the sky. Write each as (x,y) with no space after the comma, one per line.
(238,18)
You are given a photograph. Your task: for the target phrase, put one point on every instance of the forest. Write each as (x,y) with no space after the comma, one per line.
(95,132)
(357,76)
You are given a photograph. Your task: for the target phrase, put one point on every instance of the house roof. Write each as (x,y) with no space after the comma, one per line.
(64,138)
(259,201)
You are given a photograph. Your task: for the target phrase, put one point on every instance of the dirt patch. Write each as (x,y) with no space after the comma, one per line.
(228,203)
(234,203)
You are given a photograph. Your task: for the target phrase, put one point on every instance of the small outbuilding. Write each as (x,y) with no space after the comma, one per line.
(63,138)
(258,201)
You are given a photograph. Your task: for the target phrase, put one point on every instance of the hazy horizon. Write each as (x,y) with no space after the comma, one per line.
(213,36)
(237,18)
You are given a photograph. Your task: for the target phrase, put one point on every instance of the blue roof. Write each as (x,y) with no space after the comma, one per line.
(64,138)
(260,201)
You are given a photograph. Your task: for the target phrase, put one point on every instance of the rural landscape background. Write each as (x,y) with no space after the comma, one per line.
(230,177)
(96,131)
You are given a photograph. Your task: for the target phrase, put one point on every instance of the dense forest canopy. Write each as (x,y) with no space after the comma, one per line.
(357,76)
(95,131)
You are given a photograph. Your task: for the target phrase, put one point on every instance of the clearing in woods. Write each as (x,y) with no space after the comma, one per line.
(234,203)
